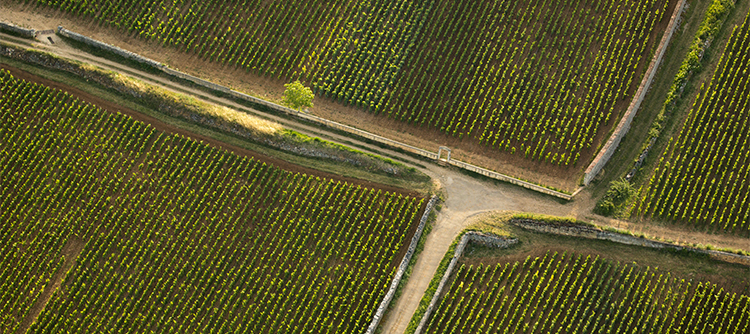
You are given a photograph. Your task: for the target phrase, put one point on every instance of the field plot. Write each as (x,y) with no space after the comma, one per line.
(289,39)
(164,234)
(702,177)
(541,80)
(536,78)
(579,293)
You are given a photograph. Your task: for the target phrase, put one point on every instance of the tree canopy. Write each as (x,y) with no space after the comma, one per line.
(297,95)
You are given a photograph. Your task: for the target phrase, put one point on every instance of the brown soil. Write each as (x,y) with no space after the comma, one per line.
(71,250)
(40,17)
(161,126)
(732,277)
(74,247)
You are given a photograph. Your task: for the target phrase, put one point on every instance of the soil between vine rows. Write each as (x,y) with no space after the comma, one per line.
(408,231)
(161,126)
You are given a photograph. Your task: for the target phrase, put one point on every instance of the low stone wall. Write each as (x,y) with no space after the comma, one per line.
(312,118)
(106,47)
(589,232)
(622,128)
(305,116)
(401,268)
(511,180)
(12,28)
(487,240)
(571,230)
(475,237)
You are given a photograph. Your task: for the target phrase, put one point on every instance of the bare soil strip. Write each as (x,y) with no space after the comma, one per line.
(467,196)
(161,126)
(70,252)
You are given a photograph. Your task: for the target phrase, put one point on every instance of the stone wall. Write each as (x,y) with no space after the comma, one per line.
(12,28)
(622,128)
(571,230)
(487,240)
(257,102)
(401,268)
(590,232)
(512,180)
(106,47)
(475,237)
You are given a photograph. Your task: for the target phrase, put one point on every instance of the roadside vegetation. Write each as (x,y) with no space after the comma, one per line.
(225,124)
(111,221)
(550,282)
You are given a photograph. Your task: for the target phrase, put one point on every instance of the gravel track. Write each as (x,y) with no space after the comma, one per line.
(465,195)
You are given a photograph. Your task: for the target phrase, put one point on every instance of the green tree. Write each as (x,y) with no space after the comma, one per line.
(297,95)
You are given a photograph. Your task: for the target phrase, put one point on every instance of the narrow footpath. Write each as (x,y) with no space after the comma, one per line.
(465,195)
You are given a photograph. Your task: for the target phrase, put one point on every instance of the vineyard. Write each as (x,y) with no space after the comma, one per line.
(535,78)
(538,78)
(702,178)
(276,38)
(577,293)
(166,234)
(359,45)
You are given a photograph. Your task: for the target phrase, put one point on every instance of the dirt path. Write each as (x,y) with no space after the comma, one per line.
(41,18)
(466,195)
(70,252)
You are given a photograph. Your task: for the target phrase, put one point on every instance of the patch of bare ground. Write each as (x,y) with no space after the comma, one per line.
(70,253)
(162,126)
(732,277)
(471,151)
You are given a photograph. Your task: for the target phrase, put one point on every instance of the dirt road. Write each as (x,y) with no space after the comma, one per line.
(465,195)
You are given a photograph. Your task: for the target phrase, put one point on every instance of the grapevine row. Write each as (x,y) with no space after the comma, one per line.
(701,179)
(177,236)
(575,293)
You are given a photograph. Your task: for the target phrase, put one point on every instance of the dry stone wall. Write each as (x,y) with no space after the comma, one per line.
(512,180)
(107,47)
(475,237)
(12,28)
(401,268)
(590,232)
(622,128)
